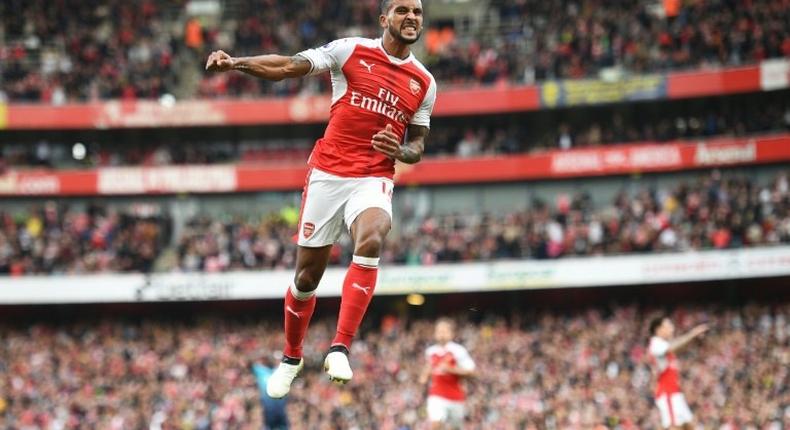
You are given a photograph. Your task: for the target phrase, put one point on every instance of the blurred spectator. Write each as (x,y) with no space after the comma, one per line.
(564,139)
(469,145)
(193,35)
(437,39)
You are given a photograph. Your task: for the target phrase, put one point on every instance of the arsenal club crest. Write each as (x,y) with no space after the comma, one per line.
(307,229)
(414,86)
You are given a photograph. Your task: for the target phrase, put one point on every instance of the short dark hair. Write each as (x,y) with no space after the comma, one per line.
(656,323)
(385,6)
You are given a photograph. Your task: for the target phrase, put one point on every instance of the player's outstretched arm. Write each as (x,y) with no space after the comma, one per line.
(684,340)
(410,151)
(270,67)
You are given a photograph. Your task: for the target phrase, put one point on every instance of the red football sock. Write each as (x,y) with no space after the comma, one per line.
(298,309)
(357,292)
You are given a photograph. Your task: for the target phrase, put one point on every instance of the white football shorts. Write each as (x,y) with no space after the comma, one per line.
(331,202)
(674,410)
(449,412)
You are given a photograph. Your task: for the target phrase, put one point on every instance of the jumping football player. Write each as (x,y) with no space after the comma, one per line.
(382,98)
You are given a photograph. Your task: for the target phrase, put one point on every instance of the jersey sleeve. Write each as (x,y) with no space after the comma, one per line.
(423,115)
(658,347)
(462,359)
(428,352)
(331,56)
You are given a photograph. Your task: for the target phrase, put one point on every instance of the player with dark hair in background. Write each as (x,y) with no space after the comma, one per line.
(447,364)
(675,412)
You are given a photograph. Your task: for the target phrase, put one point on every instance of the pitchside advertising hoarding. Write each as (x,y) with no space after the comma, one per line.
(397,280)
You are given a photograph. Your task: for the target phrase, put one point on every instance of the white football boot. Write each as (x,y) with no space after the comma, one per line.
(279,383)
(337,367)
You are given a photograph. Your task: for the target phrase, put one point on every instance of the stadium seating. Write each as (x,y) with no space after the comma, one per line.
(117,49)
(591,165)
(541,370)
(748,115)
(720,211)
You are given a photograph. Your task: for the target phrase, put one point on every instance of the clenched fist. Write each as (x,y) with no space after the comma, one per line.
(219,61)
(387,142)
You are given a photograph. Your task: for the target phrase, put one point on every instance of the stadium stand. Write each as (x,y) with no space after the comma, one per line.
(718,211)
(591,165)
(758,114)
(78,50)
(544,371)
(52,240)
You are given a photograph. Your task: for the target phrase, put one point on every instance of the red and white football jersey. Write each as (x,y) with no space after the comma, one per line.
(370,89)
(665,365)
(448,385)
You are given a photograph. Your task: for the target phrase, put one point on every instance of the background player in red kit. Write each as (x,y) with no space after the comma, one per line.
(382,99)
(447,364)
(670,401)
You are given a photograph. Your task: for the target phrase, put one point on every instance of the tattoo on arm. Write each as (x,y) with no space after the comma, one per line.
(411,151)
(298,61)
(244,66)
(274,67)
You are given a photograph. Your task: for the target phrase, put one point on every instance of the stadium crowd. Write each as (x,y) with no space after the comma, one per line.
(737,117)
(75,50)
(53,239)
(536,370)
(715,213)
(574,39)
(718,211)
